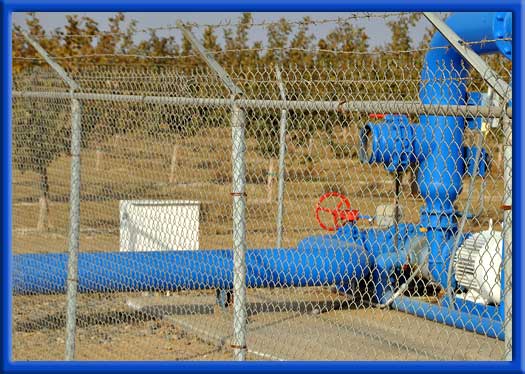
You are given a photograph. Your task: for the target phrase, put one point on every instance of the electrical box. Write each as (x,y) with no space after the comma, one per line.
(385,215)
(159,225)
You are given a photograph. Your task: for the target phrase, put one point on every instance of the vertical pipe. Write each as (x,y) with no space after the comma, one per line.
(507,235)
(99,153)
(74,229)
(239,196)
(239,233)
(282,155)
(464,217)
(442,169)
(74,199)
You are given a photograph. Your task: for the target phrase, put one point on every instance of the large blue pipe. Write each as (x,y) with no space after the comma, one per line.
(336,262)
(442,167)
(489,327)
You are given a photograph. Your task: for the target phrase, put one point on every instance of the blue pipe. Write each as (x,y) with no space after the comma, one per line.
(433,312)
(335,263)
(442,168)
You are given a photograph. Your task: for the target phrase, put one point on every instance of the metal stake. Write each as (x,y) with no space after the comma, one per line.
(282,155)
(74,199)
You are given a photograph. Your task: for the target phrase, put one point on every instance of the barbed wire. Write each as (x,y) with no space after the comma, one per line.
(229,23)
(247,50)
(176,57)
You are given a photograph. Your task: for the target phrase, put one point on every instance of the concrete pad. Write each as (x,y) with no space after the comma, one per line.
(315,324)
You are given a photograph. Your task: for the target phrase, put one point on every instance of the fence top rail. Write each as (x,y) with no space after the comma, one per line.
(369,106)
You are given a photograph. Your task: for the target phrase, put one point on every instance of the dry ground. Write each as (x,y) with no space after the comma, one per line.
(138,167)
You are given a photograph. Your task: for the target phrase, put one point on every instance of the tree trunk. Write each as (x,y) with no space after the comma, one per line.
(270,180)
(116,142)
(173,165)
(43,215)
(499,162)
(290,145)
(310,147)
(99,155)
(412,181)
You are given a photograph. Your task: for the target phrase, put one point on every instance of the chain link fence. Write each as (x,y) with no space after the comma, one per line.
(366,212)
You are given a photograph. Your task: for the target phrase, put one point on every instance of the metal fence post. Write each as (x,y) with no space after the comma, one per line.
(74,231)
(282,155)
(74,199)
(507,234)
(239,234)
(239,198)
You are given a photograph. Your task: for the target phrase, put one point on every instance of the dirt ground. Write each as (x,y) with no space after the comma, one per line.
(283,324)
(107,330)
(135,167)
(141,341)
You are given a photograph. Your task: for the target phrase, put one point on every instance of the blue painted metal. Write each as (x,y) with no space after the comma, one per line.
(392,142)
(481,310)
(442,169)
(384,259)
(377,242)
(437,143)
(469,155)
(395,143)
(502,27)
(311,265)
(485,326)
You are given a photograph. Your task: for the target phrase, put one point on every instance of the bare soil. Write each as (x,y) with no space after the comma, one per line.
(138,167)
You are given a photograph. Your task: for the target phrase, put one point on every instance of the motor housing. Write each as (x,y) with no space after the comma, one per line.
(478,264)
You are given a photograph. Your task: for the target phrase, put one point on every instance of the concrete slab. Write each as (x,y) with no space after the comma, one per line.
(315,324)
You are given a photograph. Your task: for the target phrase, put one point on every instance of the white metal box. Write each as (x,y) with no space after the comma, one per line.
(159,225)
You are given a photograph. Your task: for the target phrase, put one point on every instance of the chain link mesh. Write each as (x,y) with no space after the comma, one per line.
(156,184)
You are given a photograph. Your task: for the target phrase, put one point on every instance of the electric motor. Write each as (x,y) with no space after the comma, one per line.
(478,264)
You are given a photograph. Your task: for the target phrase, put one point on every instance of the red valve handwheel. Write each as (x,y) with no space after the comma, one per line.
(340,216)
(380,115)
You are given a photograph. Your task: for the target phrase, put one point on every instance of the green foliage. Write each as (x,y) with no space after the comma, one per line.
(277,35)
(266,131)
(40,135)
